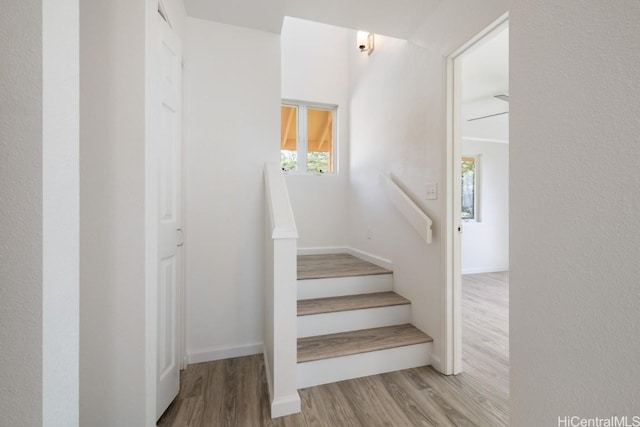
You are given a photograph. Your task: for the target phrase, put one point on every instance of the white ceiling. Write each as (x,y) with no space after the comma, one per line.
(485,73)
(440,25)
(265,15)
(485,69)
(395,18)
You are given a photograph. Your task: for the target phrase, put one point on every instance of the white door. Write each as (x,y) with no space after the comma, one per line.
(169,72)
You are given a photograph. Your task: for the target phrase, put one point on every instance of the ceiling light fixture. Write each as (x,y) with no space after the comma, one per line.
(365,42)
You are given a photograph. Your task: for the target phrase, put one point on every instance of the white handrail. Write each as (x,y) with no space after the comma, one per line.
(280,316)
(413,213)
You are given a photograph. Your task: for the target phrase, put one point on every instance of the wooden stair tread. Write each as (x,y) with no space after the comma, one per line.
(362,341)
(349,302)
(335,265)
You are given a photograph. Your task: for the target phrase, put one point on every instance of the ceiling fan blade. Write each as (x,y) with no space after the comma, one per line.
(486,117)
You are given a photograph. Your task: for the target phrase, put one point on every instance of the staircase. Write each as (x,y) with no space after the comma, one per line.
(350,322)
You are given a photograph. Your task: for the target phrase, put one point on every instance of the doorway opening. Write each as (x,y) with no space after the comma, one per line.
(477,207)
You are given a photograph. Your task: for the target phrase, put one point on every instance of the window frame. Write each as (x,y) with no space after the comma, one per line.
(302,135)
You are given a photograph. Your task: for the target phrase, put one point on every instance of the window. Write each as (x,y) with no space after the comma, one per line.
(470,189)
(307,137)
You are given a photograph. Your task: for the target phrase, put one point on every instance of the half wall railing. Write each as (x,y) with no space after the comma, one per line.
(280,316)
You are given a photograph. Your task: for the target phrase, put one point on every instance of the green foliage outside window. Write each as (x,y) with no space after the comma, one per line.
(317,162)
(288,160)
(468,188)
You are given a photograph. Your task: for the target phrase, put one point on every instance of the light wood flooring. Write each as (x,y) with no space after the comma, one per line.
(233,392)
(335,265)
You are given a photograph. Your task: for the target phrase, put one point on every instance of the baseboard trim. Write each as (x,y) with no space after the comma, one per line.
(373,259)
(435,362)
(484,270)
(221,353)
(286,405)
(282,406)
(323,250)
(267,372)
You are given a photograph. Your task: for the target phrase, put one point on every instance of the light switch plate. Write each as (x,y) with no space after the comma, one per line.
(432,190)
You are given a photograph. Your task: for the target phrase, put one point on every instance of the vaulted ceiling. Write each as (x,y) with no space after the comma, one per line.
(396,18)
(440,25)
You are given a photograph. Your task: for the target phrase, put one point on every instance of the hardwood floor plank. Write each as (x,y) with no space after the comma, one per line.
(326,406)
(212,391)
(434,387)
(248,397)
(371,404)
(190,388)
(421,412)
(353,342)
(230,413)
(335,265)
(169,416)
(192,383)
(350,302)
(190,412)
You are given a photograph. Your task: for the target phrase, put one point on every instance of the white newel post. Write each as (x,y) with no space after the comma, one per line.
(280,328)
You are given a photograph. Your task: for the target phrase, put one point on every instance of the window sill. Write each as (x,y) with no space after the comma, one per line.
(293,173)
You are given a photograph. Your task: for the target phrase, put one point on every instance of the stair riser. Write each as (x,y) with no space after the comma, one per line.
(340,286)
(343,368)
(353,320)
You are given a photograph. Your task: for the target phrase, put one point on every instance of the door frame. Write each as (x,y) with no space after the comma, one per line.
(453,276)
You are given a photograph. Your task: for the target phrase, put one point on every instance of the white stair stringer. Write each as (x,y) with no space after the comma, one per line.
(341,286)
(353,320)
(342,368)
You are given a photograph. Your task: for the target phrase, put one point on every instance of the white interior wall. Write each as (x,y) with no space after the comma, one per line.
(61,213)
(21,250)
(113,349)
(232,127)
(485,243)
(397,126)
(315,68)
(575,226)
(39,214)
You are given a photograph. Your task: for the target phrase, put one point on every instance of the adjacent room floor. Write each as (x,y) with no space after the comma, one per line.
(233,392)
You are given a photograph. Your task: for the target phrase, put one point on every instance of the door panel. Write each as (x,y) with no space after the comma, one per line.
(167,294)
(168,148)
